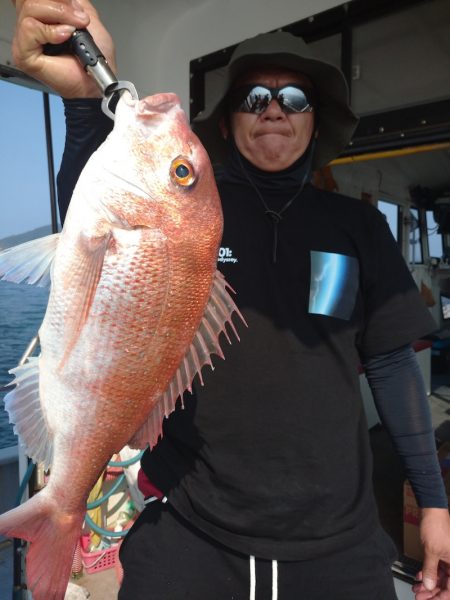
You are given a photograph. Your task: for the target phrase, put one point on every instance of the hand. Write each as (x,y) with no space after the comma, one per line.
(435,574)
(441,590)
(53,21)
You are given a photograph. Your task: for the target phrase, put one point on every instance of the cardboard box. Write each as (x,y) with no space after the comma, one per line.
(411,513)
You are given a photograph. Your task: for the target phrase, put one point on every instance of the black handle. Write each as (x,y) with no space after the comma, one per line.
(81,44)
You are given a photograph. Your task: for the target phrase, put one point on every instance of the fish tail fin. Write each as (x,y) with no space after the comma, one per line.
(53,535)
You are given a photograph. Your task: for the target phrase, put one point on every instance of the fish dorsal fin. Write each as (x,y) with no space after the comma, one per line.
(217,315)
(25,413)
(29,262)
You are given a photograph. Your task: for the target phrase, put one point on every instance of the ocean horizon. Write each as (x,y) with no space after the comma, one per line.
(22,308)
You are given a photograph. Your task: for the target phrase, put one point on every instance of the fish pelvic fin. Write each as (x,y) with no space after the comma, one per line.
(218,314)
(29,262)
(25,413)
(53,536)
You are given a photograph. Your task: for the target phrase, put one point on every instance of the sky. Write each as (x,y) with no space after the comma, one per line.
(24,185)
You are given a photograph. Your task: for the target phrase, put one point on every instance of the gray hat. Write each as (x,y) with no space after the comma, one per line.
(337,121)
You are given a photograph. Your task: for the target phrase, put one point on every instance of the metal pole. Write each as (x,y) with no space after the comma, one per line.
(50,162)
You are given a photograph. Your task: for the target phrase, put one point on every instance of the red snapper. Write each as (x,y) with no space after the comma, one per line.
(135,310)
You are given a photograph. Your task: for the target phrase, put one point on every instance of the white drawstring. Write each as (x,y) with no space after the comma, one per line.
(155,499)
(252,578)
(274,580)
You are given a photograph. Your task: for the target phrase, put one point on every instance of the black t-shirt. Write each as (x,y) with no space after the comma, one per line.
(271,457)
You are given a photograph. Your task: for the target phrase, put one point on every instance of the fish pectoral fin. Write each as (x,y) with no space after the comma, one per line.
(29,262)
(24,408)
(93,250)
(218,313)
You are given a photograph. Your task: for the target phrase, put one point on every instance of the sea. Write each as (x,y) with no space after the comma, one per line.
(22,308)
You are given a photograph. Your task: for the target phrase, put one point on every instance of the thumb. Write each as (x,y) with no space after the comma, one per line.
(429,571)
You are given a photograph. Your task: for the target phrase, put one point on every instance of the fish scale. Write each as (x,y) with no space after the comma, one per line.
(135,311)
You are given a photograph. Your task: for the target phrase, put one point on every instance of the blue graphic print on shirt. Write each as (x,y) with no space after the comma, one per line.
(334,284)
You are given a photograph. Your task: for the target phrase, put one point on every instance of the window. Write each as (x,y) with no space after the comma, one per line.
(435,243)
(390,211)
(24,193)
(415,237)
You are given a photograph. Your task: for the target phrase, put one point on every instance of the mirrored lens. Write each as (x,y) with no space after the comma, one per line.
(256,99)
(293,99)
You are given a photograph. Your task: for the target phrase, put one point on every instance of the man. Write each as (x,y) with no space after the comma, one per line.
(267,471)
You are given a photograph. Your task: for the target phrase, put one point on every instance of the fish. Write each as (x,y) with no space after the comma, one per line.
(136,309)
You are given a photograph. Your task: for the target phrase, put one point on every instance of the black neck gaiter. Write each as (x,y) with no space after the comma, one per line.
(275,192)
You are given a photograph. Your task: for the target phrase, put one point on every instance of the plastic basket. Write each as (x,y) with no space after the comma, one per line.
(100,560)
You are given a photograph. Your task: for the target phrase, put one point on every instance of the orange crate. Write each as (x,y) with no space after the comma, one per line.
(100,560)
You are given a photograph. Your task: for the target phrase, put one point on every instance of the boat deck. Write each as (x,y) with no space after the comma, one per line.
(101,586)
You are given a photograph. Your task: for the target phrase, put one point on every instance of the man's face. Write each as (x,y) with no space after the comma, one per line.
(272,140)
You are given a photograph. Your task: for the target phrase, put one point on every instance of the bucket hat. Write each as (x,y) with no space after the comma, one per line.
(337,121)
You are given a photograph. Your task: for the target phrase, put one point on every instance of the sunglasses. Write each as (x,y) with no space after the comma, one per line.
(256,98)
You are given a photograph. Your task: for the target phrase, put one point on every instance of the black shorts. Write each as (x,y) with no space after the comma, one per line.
(165,558)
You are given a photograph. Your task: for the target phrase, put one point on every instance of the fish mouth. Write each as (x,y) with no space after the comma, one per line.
(158,104)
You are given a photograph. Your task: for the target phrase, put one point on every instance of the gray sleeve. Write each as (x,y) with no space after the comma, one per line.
(401,400)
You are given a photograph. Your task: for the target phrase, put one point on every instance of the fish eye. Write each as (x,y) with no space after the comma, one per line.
(182,172)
